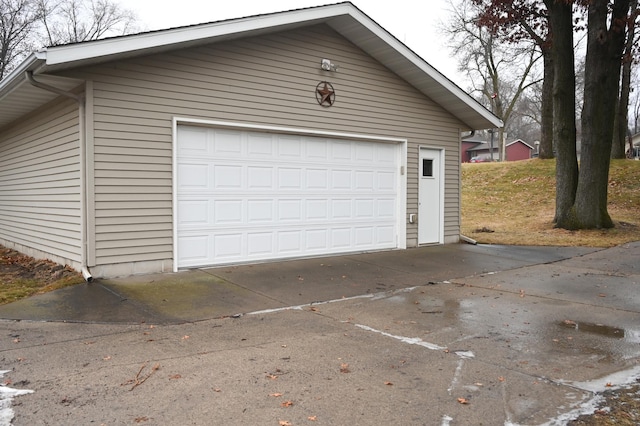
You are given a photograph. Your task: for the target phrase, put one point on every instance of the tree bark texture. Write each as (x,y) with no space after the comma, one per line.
(564,108)
(621,124)
(602,75)
(546,128)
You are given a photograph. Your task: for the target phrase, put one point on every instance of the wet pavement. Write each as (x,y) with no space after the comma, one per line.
(446,335)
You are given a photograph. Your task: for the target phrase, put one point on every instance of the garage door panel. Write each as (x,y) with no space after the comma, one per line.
(193,176)
(260,211)
(317,209)
(340,151)
(289,148)
(227,212)
(260,177)
(289,178)
(227,246)
(386,208)
(227,177)
(193,212)
(227,143)
(341,238)
(317,150)
(247,196)
(317,240)
(194,249)
(341,180)
(317,179)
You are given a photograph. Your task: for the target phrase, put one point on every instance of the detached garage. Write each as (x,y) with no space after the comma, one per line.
(295,134)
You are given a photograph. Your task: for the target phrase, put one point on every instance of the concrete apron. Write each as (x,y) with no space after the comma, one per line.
(200,294)
(435,336)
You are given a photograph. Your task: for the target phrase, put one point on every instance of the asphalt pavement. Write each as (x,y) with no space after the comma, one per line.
(442,335)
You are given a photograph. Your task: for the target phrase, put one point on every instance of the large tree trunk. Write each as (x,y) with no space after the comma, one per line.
(602,76)
(564,108)
(546,128)
(620,130)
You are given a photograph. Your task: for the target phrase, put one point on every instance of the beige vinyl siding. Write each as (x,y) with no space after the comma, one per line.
(40,183)
(270,80)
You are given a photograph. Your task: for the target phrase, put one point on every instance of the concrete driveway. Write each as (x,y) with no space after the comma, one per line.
(447,335)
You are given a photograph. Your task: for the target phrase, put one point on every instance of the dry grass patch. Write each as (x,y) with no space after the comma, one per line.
(22,276)
(514,203)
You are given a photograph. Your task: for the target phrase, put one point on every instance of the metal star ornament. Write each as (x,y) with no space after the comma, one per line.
(325,94)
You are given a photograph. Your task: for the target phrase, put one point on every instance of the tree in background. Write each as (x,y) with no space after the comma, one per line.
(606,32)
(518,21)
(73,21)
(564,106)
(18,18)
(27,25)
(499,73)
(621,131)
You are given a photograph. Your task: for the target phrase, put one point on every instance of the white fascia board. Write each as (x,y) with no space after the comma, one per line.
(11,81)
(120,45)
(425,67)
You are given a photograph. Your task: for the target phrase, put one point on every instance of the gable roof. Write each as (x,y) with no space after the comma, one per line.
(520,141)
(18,96)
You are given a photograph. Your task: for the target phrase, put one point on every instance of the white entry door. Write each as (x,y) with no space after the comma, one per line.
(247,196)
(430,196)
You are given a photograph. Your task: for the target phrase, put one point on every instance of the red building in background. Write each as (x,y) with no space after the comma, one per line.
(477,150)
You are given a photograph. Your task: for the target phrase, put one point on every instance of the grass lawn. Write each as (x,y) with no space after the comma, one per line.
(514,203)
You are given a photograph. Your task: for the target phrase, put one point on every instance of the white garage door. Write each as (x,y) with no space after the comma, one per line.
(248,196)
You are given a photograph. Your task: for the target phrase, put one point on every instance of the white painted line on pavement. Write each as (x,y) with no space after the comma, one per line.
(373,296)
(6,396)
(410,340)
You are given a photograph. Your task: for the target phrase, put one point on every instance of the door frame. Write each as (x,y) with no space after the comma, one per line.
(441,178)
(401,182)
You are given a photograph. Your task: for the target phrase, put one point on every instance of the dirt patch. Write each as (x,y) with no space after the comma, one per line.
(22,276)
(620,407)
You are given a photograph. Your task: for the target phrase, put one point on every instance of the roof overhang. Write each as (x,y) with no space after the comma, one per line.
(18,97)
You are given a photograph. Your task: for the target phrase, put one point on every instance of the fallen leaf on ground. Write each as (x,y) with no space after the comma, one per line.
(141,419)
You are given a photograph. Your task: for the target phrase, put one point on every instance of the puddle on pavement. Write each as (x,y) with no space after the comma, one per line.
(599,329)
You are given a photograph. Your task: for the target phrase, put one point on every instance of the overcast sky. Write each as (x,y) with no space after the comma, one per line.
(410,21)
